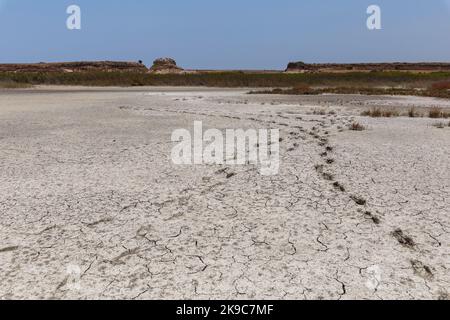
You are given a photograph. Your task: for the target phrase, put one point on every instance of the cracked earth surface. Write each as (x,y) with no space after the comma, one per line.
(91,206)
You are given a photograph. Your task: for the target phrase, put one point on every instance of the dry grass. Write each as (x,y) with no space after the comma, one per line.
(440,89)
(356,126)
(299,83)
(434,113)
(302,88)
(299,89)
(437,113)
(412,113)
(358,88)
(442,85)
(378,113)
(13,85)
(371,83)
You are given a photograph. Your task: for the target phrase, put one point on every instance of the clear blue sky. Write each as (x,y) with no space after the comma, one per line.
(225,34)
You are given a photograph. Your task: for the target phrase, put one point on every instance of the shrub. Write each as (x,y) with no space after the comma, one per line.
(412,113)
(378,113)
(356,126)
(436,113)
(320,112)
(391,113)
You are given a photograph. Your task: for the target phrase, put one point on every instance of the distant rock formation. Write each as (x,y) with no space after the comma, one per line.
(82,66)
(298,67)
(165,65)
(301,67)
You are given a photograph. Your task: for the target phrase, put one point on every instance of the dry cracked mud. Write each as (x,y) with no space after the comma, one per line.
(91,206)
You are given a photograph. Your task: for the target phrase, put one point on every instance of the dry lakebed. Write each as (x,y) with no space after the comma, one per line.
(92,207)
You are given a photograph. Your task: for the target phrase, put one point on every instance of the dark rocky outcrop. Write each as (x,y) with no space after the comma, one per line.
(367,67)
(298,66)
(82,66)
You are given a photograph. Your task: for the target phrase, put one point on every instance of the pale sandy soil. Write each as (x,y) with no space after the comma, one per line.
(91,205)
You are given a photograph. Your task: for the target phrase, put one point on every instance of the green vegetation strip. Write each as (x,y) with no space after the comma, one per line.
(230,79)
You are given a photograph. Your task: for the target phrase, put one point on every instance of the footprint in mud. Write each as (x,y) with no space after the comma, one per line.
(443,296)
(422,270)
(230,175)
(224,170)
(323,142)
(358,200)
(339,186)
(327,176)
(403,239)
(372,217)
(9,249)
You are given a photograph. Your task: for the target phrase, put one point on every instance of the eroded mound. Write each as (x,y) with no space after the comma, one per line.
(165,65)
